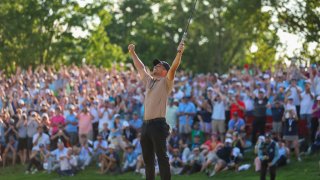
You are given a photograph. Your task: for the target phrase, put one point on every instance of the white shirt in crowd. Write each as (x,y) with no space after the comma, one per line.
(103,143)
(218,111)
(43,139)
(171,116)
(95,114)
(105,118)
(306,103)
(294,94)
(57,153)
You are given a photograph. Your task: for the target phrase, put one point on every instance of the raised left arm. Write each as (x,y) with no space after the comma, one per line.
(176,62)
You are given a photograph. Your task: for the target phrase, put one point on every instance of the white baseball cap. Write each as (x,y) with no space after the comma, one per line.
(112,146)
(228,140)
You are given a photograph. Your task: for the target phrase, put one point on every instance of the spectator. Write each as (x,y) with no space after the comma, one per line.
(237,106)
(236,124)
(61,135)
(284,153)
(67,164)
(85,153)
(110,161)
(72,126)
(136,122)
(277,114)
(100,147)
(171,115)
(37,159)
(57,120)
(194,162)
(22,134)
(85,125)
(10,151)
(186,111)
(268,154)
(130,159)
(224,152)
(176,163)
(294,92)
(54,157)
(259,112)
(290,134)
(218,114)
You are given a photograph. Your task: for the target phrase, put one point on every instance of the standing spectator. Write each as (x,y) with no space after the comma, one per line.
(218,115)
(72,126)
(277,114)
(186,111)
(40,138)
(259,113)
(116,133)
(237,106)
(294,92)
(94,111)
(171,115)
(269,155)
(316,115)
(85,125)
(306,103)
(22,141)
(105,114)
(32,128)
(56,120)
(290,134)
(204,115)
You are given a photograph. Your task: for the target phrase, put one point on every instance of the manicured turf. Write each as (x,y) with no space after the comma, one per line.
(306,170)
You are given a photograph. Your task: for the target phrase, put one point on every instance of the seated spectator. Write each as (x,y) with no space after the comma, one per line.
(174,140)
(54,157)
(196,131)
(116,133)
(85,153)
(67,164)
(236,124)
(10,151)
(130,159)
(136,122)
(194,163)
(100,147)
(62,135)
(137,145)
(110,161)
(187,149)
(40,138)
(128,133)
(37,159)
(284,152)
(209,150)
(176,163)
(224,153)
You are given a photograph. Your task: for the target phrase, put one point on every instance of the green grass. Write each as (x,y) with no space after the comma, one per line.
(306,170)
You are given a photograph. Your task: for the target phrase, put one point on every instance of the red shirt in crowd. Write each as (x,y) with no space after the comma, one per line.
(236,108)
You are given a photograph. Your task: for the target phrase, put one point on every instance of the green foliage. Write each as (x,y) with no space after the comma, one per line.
(34,32)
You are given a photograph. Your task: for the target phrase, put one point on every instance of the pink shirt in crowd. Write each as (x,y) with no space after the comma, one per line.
(85,125)
(55,121)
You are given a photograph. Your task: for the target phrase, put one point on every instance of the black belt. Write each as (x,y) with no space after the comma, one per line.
(161,119)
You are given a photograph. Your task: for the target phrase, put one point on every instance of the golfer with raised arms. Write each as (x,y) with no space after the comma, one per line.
(155,130)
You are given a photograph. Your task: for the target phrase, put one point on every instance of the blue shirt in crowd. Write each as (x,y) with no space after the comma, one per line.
(188,107)
(71,128)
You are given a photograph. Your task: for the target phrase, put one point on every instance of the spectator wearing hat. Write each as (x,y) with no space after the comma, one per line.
(116,133)
(128,133)
(257,161)
(171,115)
(259,113)
(194,163)
(130,159)
(37,159)
(268,154)
(224,152)
(277,111)
(72,126)
(218,114)
(290,134)
(67,163)
(110,162)
(236,124)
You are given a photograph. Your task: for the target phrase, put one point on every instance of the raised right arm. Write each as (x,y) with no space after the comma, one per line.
(137,62)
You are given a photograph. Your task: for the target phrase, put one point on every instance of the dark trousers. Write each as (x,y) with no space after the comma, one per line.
(258,125)
(264,169)
(34,162)
(153,141)
(95,128)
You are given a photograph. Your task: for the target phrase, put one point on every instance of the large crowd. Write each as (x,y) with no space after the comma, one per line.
(64,120)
